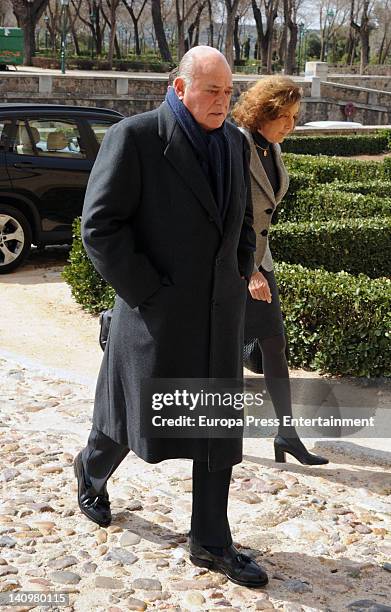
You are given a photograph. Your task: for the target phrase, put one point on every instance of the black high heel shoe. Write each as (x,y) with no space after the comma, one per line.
(296,448)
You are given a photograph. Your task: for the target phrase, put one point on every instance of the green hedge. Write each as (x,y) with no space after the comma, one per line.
(352,245)
(325,203)
(337,323)
(298,181)
(344,145)
(387,168)
(323,169)
(379,188)
(88,288)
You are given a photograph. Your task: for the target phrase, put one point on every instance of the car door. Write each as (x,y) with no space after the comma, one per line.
(50,163)
(5,126)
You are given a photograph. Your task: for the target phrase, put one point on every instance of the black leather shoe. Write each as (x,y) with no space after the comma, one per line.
(239,568)
(296,448)
(95,507)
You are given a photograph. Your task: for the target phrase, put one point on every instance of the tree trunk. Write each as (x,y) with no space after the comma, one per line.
(135,19)
(210,16)
(269,52)
(193,31)
(364,36)
(386,52)
(290,20)
(236,39)
(180,22)
(291,52)
(322,49)
(181,39)
(29,41)
(264,49)
(349,45)
(382,44)
(259,26)
(117,47)
(113,26)
(156,10)
(229,39)
(282,44)
(364,55)
(27,15)
(137,47)
(75,40)
(363,32)
(232,7)
(265,38)
(98,34)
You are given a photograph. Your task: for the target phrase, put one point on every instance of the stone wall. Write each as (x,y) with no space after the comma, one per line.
(372,69)
(371,82)
(135,94)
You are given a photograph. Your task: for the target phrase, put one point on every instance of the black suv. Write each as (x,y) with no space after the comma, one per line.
(46,155)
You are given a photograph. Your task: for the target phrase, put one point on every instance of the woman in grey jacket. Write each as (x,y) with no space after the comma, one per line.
(266,114)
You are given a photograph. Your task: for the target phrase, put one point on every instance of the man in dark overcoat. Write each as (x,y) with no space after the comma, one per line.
(167,222)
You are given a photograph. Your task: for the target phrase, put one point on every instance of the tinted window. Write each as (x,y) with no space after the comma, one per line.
(21,143)
(100,128)
(5,132)
(47,138)
(57,138)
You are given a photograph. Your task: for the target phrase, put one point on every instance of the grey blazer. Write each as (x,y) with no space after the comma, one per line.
(264,200)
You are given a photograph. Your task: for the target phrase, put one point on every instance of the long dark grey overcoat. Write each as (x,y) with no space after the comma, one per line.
(152,230)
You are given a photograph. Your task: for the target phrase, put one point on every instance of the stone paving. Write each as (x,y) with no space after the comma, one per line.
(323,534)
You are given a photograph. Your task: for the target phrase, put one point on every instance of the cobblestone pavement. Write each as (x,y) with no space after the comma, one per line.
(322,534)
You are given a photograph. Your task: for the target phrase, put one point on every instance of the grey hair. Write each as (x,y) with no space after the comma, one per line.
(186,68)
(188,62)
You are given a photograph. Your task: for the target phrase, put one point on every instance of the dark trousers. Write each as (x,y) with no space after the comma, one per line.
(209,521)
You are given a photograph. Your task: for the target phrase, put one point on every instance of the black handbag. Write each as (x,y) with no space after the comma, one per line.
(104,320)
(252,356)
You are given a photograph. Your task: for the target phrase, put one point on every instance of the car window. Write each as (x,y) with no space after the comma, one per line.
(100,128)
(5,132)
(57,138)
(21,142)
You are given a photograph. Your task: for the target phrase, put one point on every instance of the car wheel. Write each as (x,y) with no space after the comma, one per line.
(15,238)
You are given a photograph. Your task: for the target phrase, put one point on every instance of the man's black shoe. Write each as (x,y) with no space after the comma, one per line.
(239,568)
(95,507)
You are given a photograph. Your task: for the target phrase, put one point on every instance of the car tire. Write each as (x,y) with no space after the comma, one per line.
(13,252)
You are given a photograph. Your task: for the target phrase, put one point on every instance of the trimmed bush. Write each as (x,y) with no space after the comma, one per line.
(143,64)
(378,188)
(356,245)
(326,202)
(87,286)
(297,181)
(337,323)
(322,169)
(344,145)
(387,168)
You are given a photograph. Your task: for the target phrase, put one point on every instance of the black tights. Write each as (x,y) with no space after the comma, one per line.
(276,374)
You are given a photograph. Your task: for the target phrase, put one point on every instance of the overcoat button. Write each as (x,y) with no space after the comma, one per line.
(264,232)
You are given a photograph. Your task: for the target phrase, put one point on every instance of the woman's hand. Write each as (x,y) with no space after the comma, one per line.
(259,287)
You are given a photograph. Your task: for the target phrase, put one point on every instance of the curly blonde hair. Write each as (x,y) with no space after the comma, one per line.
(265,100)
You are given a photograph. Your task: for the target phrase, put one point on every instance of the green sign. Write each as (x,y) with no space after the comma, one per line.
(11,46)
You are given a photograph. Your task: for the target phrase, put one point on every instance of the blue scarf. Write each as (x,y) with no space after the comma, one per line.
(211,149)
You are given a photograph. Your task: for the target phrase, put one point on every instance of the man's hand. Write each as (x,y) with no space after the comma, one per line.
(259,287)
